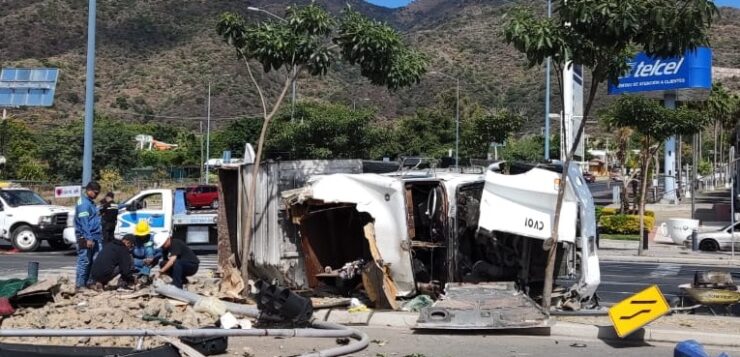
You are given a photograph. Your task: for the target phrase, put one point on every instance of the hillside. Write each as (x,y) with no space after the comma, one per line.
(157,56)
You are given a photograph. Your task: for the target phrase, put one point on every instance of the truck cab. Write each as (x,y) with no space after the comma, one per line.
(26,219)
(166,211)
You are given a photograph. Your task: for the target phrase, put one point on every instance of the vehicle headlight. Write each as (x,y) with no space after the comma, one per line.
(45,220)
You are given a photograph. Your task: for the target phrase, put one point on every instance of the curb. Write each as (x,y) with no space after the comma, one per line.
(646,334)
(718,262)
(398,319)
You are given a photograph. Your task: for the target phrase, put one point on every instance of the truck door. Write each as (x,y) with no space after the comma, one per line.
(150,206)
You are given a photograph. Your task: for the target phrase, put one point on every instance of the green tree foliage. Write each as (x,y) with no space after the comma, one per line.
(481,131)
(428,133)
(601,36)
(113,147)
(309,39)
(22,152)
(325,131)
(654,123)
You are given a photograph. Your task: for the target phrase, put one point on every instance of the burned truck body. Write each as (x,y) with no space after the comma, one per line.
(405,233)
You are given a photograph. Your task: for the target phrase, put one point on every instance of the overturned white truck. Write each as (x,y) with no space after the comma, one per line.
(476,240)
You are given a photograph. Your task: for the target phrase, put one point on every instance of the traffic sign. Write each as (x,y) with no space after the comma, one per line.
(638,310)
(67,191)
(28,87)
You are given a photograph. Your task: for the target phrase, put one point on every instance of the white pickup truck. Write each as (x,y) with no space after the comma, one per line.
(26,219)
(166,211)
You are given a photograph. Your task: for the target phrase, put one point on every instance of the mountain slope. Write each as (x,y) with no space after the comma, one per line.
(158,56)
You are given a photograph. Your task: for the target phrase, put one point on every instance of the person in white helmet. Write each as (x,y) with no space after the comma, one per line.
(179,261)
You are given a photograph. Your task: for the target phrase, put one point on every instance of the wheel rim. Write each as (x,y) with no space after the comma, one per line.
(25,239)
(215,204)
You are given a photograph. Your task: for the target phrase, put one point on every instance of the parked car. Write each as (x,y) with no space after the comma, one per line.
(718,240)
(589,177)
(202,196)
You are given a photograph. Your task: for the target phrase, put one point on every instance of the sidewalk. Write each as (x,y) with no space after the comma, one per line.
(709,330)
(662,252)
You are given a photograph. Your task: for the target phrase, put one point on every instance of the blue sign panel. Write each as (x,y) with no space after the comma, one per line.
(692,71)
(22,87)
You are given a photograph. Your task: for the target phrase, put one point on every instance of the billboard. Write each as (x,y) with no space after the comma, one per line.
(647,74)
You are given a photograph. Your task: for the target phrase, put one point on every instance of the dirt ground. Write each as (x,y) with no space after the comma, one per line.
(108,310)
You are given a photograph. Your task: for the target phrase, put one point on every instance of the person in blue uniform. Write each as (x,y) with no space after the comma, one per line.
(89,233)
(144,253)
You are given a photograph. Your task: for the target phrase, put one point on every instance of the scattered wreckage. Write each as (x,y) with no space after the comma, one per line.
(474,239)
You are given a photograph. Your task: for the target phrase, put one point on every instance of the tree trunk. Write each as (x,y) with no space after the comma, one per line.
(644,167)
(553,242)
(252,193)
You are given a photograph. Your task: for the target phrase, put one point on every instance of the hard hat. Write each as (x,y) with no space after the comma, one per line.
(142,228)
(160,238)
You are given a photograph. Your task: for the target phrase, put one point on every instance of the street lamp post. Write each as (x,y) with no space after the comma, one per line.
(292,98)
(457,116)
(547,95)
(87,153)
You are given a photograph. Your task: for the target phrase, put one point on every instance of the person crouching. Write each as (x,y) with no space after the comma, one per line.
(115,259)
(179,261)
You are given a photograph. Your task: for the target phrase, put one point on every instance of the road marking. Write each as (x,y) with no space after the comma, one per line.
(665,270)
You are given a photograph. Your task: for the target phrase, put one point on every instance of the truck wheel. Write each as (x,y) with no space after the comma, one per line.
(59,244)
(214,205)
(24,239)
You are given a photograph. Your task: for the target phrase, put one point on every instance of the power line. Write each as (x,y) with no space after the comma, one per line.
(242,116)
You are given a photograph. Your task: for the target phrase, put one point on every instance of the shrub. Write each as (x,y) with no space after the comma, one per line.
(624,223)
(612,211)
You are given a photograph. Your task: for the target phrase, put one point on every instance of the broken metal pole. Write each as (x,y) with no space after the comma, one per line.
(306,332)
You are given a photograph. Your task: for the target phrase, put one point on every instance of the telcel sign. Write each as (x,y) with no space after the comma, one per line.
(691,71)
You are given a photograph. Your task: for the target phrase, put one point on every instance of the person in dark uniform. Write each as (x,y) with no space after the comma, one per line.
(115,259)
(179,262)
(108,215)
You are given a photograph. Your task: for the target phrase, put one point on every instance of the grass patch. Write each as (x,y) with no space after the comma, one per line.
(633,237)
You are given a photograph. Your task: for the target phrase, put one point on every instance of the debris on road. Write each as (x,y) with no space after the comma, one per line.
(106,310)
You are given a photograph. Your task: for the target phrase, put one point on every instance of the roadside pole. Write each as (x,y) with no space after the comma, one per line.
(732,202)
(87,152)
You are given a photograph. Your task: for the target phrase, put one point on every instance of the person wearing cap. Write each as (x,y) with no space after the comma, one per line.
(109,215)
(179,262)
(113,260)
(144,253)
(89,233)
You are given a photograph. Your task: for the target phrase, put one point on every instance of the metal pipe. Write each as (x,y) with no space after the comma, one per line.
(192,298)
(305,332)
(250,310)
(363,340)
(579,313)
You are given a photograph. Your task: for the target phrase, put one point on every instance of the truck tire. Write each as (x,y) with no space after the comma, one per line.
(59,244)
(24,239)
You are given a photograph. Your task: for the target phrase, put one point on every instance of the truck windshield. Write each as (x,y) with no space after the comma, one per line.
(15,198)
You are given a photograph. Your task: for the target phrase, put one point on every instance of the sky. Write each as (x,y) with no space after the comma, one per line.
(399,3)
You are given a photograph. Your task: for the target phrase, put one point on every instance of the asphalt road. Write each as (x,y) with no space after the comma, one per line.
(392,342)
(51,262)
(621,280)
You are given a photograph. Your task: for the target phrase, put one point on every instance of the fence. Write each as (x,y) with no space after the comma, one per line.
(122,190)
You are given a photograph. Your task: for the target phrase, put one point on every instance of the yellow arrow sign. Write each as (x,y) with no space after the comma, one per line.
(638,310)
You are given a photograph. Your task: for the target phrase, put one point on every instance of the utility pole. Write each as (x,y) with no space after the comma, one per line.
(208,131)
(457,127)
(200,180)
(87,153)
(547,95)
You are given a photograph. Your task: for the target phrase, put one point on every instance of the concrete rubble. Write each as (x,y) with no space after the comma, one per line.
(108,310)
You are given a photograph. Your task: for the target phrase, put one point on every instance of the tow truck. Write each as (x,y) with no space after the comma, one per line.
(166,211)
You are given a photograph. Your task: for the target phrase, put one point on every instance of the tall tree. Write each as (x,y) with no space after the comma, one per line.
(309,40)
(481,131)
(601,35)
(655,124)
